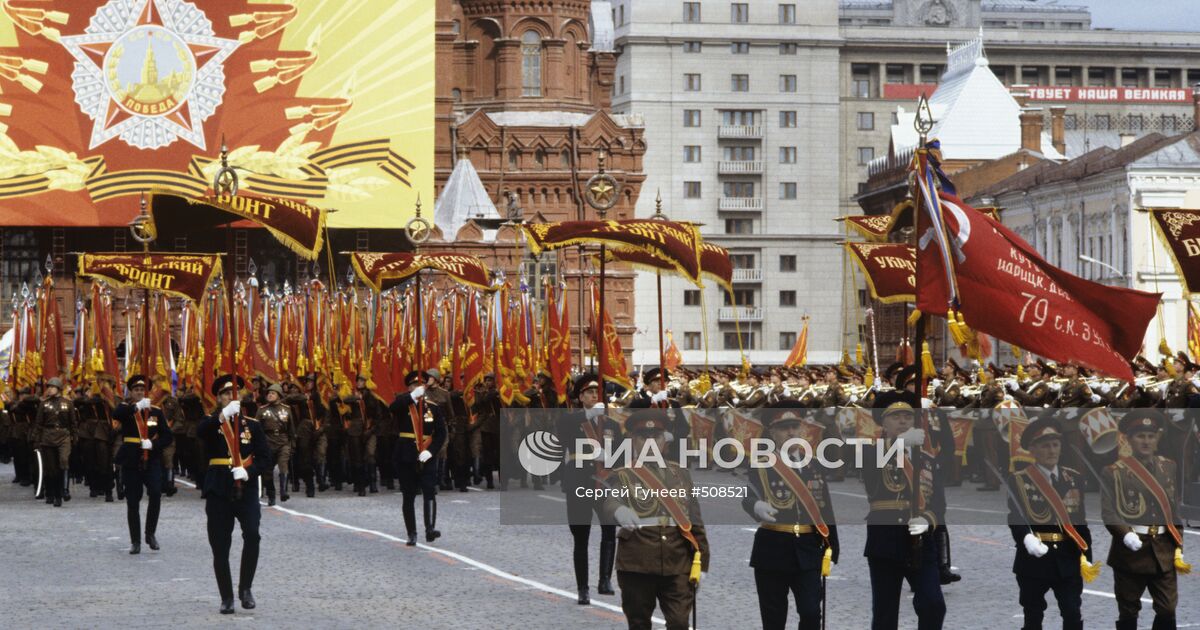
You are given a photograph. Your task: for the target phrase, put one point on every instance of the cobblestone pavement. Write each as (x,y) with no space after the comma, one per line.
(338,561)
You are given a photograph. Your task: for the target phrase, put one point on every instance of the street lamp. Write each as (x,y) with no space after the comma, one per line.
(1089,259)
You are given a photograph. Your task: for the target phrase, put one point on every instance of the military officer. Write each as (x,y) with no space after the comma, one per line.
(144,435)
(579,476)
(796,538)
(276,421)
(173,413)
(1139,511)
(53,430)
(309,413)
(900,545)
(422,433)
(238,453)
(1049,524)
(1036,392)
(655,396)
(663,548)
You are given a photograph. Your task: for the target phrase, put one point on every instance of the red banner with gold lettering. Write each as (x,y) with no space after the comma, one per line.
(181,275)
(384,271)
(873,227)
(677,244)
(296,225)
(890,269)
(1180,233)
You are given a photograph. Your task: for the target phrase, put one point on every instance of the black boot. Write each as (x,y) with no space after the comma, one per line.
(270,488)
(66,487)
(151,541)
(227,606)
(1163,622)
(373,486)
(322,485)
(309,491)
(247,599)
(170,489)
(945,575)
(283,487)
(608,550)
(584,600)
(430,513)
(295,482)
(135,548)
(108,497)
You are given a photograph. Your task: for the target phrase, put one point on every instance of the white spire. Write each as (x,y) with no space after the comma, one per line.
(463,198)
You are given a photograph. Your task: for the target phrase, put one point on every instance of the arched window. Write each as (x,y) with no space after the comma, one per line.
(539,158)
(514,157)
(456,94)
(565,159)
(531,64)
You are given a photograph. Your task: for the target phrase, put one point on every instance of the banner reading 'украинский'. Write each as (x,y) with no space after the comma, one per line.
(326,101)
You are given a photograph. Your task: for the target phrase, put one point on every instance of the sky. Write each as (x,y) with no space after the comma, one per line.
(1142,15)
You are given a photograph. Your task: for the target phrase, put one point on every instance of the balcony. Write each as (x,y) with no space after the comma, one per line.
(740,167)
(747,275)
(740,204)
(740,132)
(740,314)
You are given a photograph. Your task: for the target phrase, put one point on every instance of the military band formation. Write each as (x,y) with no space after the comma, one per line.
(283,439)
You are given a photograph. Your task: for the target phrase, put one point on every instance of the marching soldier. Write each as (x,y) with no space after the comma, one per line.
(374,414)
(1036,392)
(588,423)
(796,539)
(902,514)
(22,412)
(1074,394)
(334,442)
(174,416)
(484,440)
(144,435)
(663,548)
(422,433)
(276,421)
(310,439)
(1049,524)
(437,395)
(1139,511)
(53,430)
(191,450)
(238,453)
(655,396)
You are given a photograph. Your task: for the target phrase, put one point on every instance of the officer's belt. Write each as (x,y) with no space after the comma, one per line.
(898,504)
(1049,536)
(1148,530)
(228,461)
(405,434)
(133,440)
(656,521)
(788,528)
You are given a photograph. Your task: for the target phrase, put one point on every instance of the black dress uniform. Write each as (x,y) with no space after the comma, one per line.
(226,499)
(1031,512)
(1134,505)
(789,552)
(571,428)
(413,417)
(893,555)
(141,468)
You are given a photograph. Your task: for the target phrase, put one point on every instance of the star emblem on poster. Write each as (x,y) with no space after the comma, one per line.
(149,72)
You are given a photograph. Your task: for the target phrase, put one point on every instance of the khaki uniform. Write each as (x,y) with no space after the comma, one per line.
(276,421)
(53,431)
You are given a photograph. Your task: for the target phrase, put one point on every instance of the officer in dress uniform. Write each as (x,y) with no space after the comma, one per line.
(275,418)
(53,430)
(587,423)
(1139,511)
(422,433)
(655,396)
(238,454)
(144,435)
(1048,522)
(308,413)
(663,548)
(791,543)
(900,545)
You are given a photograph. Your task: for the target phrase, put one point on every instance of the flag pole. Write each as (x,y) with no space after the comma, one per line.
(924,124)
(662,353)
(601,194)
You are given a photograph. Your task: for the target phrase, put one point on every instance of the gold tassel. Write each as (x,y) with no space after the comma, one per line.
(1163,348)
(1016,352)
(845,357)
(869,378)
(927,366)
(1181,567)
(1088,570)
(694,576)
(1169,366)
(827,562)
(955,334)
(913,317)
(858,358)
(1021,372)
(983,375)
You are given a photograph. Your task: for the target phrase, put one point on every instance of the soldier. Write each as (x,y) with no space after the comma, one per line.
(53,431)
(385,442)
(174,416)
(1139,511)
(237,452)
(655,396)
(190,449)
(436,394)
(374,414)
(903,512)
(308,459)
(144,435)
(1036,392)
(757,396)
(1074,394)
(1049,524)
(22,413)
(663,547)
(484,440)
(103,430)
(276,421)
(422,433)
(796,533)
(334,443)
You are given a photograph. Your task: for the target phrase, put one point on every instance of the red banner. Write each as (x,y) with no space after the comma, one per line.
(1008,290)
(874,228)
(384,271)
(675,243)
(1180,233)
(181,275)
(715,264)
(890,269)
(613,369)
(297,225)
(1061,93)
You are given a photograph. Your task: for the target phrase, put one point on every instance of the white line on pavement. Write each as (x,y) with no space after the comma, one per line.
(500,573)
(559,499)
(1111,596)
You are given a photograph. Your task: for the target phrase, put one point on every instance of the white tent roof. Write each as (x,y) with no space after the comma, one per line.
(463,198)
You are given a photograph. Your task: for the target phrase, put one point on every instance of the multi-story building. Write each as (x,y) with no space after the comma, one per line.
(702,72)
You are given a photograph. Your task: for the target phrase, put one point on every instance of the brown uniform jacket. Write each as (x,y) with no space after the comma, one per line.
(1128,502)
(654,549)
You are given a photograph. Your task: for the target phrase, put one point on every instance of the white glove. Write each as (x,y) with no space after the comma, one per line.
(142,404)
(239,474)
(764,512)
(917,525)
(424,456)
(1035,547)
(1162,388)
(853,398)
(147,445)
(668,436)
(417,392)
(935,383)
(1196,383)
(659,397)
(1056,386)
(1095,398)
(1132,541)
(1012,385)
(232,409)
(736,400)
(626,518)
(1008,397)
(595,411)
(1105,388)
(913,437)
